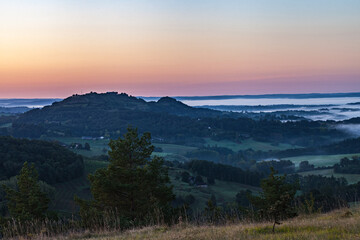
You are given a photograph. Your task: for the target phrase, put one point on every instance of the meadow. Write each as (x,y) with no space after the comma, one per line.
(320,160)
(343,224)
(247,144)
(224,191)
(98,147)
(351,178)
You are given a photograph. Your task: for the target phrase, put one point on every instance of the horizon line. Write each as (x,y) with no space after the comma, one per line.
(190,96)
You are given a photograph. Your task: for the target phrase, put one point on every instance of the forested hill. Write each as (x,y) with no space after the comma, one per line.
(100,114)
(114,102)
(109,115)
(54,163)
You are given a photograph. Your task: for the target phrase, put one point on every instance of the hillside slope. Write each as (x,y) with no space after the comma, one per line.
(109,113)
(340,224)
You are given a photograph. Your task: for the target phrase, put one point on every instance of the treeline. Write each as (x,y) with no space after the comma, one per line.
(343,147)
(53,162)
(134,190)
(224,172)
(346,165)
(326,193)
(248,159)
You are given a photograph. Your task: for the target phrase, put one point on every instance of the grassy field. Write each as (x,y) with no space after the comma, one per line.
(98,147)
(320,160)
(342,224)
(248,143)
(224,192)
(6,125)
(175,149)
(351,178)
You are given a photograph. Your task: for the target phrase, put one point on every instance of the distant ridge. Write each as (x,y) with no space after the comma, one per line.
(41,102)
(290,96)
(97,114)
(23,102)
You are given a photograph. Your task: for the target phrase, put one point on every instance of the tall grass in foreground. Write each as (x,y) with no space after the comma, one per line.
(339,224)
(110,222)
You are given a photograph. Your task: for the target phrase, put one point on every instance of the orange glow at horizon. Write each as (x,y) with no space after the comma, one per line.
(54,50)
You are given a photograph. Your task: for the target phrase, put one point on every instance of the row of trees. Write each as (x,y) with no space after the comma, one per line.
(135,190)
(347,165)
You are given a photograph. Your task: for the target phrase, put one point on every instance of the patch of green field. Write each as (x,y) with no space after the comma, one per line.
(174,149)
(98,147)
(6,125)
(320,160)
(224,192)
(248,143)
(101,147)
(351,178)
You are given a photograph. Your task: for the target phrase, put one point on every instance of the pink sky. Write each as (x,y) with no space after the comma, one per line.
(53,49)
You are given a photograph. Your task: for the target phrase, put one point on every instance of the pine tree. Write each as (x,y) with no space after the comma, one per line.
(275,202)
(134,184)
(27,202)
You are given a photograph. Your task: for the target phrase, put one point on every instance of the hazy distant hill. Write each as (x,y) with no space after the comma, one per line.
(14,110)
(279,96)
(23,102)
(169,120)
(109,113)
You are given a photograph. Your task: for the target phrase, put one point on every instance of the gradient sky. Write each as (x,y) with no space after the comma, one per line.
(55,48)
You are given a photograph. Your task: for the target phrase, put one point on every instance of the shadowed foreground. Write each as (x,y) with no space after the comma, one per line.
(341,224)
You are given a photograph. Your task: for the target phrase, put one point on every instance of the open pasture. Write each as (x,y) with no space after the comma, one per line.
(320,160)
(247,144)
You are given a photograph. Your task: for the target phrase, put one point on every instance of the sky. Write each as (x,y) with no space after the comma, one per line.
(56,48)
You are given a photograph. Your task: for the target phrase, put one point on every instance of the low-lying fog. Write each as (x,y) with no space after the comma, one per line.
(352,129)
(334,108)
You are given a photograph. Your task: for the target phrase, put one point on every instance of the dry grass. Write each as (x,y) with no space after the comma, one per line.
(340,224)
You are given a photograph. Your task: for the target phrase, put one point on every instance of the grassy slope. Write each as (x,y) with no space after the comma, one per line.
(6,125)
(248,143)
(320,160)
(351,178)
(175,149)
(340,224)
(97,146)
(223,191)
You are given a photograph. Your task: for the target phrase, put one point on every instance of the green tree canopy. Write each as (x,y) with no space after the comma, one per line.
(133,184)
(275,202)
(27,201)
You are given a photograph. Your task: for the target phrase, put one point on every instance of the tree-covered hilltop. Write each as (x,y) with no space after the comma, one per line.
(109,114)
(54,163)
